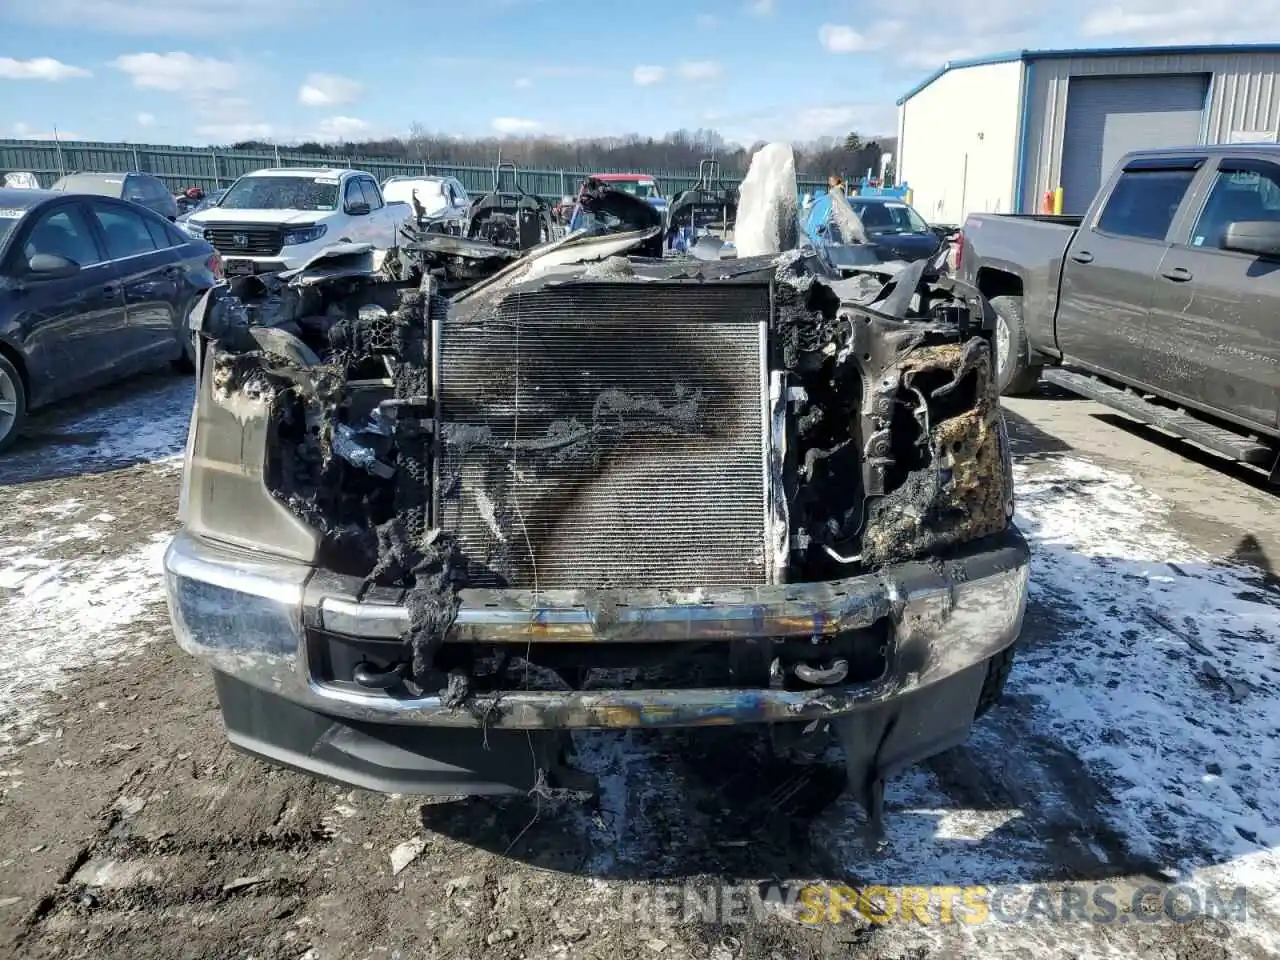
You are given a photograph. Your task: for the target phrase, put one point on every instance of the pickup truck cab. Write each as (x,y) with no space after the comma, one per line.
(1164,297)
(279,219)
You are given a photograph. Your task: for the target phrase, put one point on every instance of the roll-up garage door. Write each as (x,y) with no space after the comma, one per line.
(1109,116)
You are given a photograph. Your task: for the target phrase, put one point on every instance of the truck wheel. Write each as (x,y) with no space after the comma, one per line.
(998,668)
(1015,373)
(13,403)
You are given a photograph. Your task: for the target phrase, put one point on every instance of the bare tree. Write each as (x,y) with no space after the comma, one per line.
(677,152)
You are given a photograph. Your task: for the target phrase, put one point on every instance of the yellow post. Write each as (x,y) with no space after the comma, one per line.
(1057,202)
(908,196)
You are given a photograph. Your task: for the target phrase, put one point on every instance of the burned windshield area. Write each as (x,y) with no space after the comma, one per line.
(282,193)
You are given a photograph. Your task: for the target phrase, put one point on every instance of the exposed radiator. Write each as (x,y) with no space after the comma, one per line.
(630,449)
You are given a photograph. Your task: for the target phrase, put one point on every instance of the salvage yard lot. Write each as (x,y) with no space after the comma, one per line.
(1136,745)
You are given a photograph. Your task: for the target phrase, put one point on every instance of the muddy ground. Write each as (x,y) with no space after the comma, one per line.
(129,829)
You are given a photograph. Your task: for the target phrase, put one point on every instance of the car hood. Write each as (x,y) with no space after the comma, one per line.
(206,218)
(907,246)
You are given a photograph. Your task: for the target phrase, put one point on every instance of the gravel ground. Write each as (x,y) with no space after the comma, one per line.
(1136,746)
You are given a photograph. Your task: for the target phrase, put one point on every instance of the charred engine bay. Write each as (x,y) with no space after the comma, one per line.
(575,397)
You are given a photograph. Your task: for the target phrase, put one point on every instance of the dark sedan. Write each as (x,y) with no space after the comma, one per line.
(894,231)
(92,289)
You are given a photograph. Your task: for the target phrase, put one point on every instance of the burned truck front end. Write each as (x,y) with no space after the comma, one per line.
(424,536)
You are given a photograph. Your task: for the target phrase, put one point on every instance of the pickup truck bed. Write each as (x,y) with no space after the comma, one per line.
(1162,301)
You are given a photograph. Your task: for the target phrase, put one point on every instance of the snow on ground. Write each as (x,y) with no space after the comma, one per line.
(74,587)
(141,421)
(1138,736)
(62,612)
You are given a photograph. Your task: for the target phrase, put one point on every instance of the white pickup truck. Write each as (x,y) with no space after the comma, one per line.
(278,219)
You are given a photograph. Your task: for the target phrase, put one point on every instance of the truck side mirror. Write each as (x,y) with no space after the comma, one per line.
(358,209)
(1258,237)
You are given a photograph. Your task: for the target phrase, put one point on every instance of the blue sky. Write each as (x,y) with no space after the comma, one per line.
(201,71)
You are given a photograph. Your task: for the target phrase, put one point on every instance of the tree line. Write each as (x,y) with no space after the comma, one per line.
(850,156)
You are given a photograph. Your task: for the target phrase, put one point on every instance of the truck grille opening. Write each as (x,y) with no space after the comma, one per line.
(256,241)
(607,434)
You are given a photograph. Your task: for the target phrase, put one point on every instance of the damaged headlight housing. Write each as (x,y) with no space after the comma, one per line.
(304,234)
(229,449)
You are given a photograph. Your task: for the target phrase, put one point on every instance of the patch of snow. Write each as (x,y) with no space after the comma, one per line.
(1137,739)
(73,613)
(109,429)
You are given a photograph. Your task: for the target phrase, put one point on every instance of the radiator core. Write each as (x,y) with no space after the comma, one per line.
(600,434)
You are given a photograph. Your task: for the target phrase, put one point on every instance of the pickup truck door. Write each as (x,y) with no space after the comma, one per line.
(1108,271)
(1216,313)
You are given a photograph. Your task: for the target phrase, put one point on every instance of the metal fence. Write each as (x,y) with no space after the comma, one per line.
(182,167)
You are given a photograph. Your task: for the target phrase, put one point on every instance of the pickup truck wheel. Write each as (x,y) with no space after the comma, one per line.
(998,668)
(1015,373)
(13,403)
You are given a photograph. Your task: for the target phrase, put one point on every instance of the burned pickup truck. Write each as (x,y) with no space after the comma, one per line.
(426,539)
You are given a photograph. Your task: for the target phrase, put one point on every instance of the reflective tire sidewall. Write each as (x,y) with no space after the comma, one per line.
(12,386)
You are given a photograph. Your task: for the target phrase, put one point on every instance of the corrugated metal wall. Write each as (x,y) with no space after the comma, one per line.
(1244,97)
(183,167)
(958,140)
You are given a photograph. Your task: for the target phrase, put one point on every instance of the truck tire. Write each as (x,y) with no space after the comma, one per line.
(13,403)
(1015,374)
(998,668)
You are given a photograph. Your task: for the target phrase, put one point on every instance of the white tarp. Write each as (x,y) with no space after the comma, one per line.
(768,203)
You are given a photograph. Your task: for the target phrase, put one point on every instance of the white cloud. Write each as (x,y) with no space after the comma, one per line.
(706,21)
(696,71)
(1144,21)
(231,132)
(810,123)
(341,128)
(40,68)
(145,119)
(515,125)
(523,83)
(762,8)
(24,131)
(157,17)
(837,38)
(646,75)
(178,72)
(328,90)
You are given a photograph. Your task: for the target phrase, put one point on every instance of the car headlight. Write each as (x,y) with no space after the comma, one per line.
(194,230)
(304,234)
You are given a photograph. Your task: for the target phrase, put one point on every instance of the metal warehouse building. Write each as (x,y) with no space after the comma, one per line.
(994,134)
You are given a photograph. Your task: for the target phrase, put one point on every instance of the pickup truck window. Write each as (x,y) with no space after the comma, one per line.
(1144,202)
(1237,195)
(281,193)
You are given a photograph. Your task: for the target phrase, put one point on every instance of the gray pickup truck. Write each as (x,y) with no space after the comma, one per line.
(1162,301)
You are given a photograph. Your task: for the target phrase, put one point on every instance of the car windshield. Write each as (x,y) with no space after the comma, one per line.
(107,185)
(282,193)
(882,218)
(637,188)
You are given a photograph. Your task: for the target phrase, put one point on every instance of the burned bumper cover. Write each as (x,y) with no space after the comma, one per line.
(248,617)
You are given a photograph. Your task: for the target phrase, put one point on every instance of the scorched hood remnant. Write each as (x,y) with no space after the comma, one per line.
(600,488)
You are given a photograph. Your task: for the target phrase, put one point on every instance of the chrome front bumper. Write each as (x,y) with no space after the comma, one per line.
(246,615)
